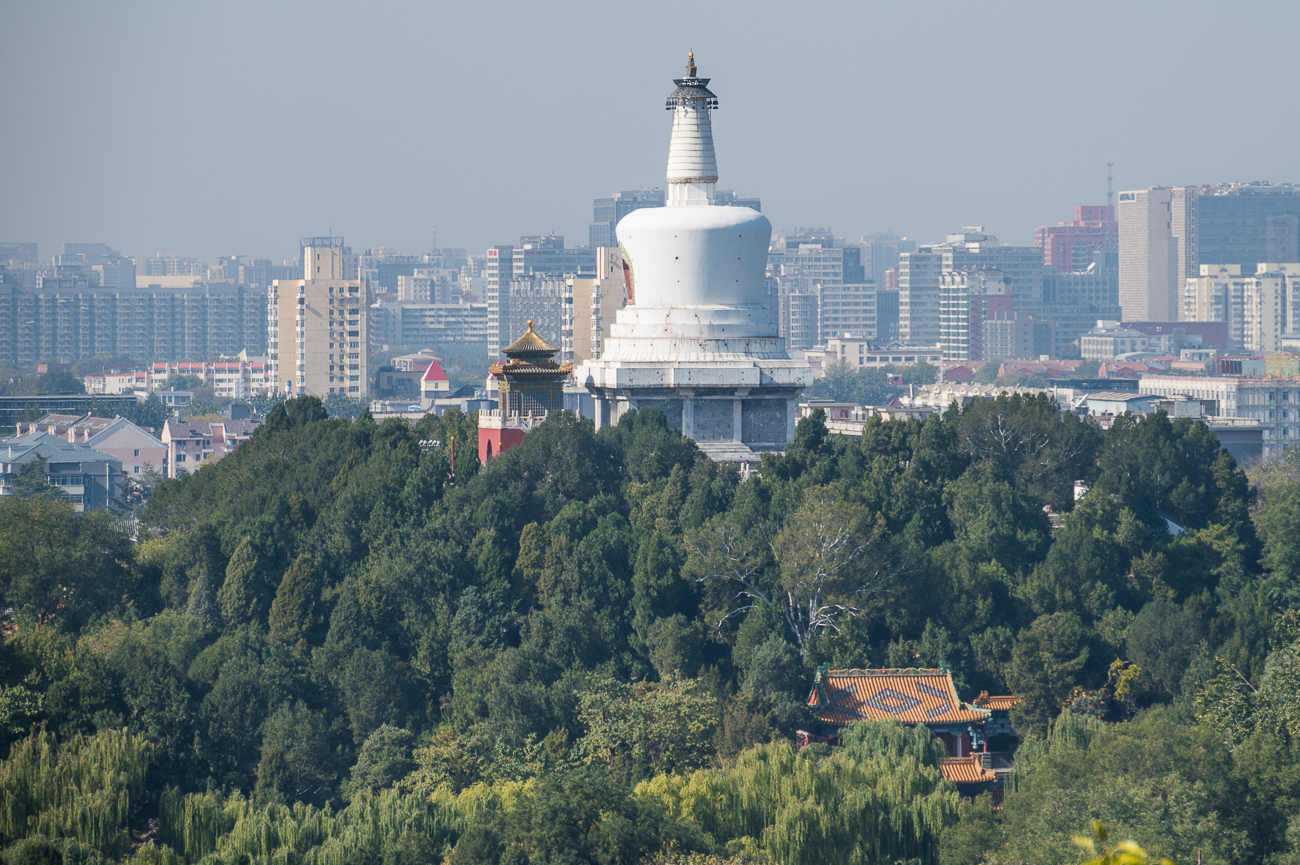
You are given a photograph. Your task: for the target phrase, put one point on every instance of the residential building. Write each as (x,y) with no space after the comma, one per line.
(20,254)
(1270,309)
(606,212)
(540,299)
(596,300)
(799,312)
(1218,294)
(192,444)
(73,319)
(136,448)
(1109,339)
(434,384)
(546,255)
(971,248)
(1148,255)
(968,300)
(440,324)
(318,326)
(851,308)
(85,478)
(873,353)
(1271,402)
(823,265)
(498,270)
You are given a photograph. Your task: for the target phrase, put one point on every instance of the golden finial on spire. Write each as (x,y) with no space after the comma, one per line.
(690,63)
(530,324)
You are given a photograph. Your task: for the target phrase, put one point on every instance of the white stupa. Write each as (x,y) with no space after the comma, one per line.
(698,339)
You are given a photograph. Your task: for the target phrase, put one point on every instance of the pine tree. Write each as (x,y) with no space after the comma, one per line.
(242,594)
(293,613)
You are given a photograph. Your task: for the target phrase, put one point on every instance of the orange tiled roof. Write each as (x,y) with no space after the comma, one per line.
(965,770)
(913,696)
(999,703)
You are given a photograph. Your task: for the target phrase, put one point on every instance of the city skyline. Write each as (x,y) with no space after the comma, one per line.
(203,160)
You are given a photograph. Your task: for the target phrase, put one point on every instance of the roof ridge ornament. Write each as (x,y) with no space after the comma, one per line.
(690,64)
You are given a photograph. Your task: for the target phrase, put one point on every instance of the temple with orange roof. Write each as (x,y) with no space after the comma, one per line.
(978,736)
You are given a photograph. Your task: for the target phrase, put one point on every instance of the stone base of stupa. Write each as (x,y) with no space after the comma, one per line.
(745,405)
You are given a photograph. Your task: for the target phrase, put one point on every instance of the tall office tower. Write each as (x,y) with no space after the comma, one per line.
(1239,223)
(1073,247)
(1183,217)
(1218,294)
(848,308)
(606,212)
(318,326)
(853,271)
(498,270)
(918,296)
(1148,256)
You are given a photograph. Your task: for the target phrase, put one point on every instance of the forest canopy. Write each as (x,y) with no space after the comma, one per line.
(334,645)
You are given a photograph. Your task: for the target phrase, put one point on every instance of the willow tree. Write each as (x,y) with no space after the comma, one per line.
(880,798)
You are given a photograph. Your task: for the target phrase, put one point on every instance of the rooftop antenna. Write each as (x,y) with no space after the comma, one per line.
(1110,184)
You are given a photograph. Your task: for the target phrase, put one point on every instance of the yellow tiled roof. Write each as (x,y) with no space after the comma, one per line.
(997,703)
(965,770)
(913,696)
(530,343)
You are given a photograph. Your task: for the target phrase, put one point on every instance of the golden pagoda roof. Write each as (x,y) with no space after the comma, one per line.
(529,343)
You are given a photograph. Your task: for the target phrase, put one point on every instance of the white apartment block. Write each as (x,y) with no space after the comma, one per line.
(317,328)
(848,309)
(873,353)
(1274,402)
(1148,255)
(1260,308)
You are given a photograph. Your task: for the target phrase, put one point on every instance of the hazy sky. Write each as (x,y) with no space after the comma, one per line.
(206,129)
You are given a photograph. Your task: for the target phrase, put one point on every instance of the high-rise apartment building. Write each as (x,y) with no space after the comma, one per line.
(1218,294)
(850,308)
(70,318)
(970,249)
(546,255)
(498,270)
(595,301)
(1148,255)
(968,299)
(541,299)
(606,212)
(318,325)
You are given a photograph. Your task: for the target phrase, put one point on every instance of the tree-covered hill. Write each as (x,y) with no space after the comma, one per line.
(331,646)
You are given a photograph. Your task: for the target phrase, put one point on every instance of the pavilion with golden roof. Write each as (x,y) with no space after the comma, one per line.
(977,736)
(531,381)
